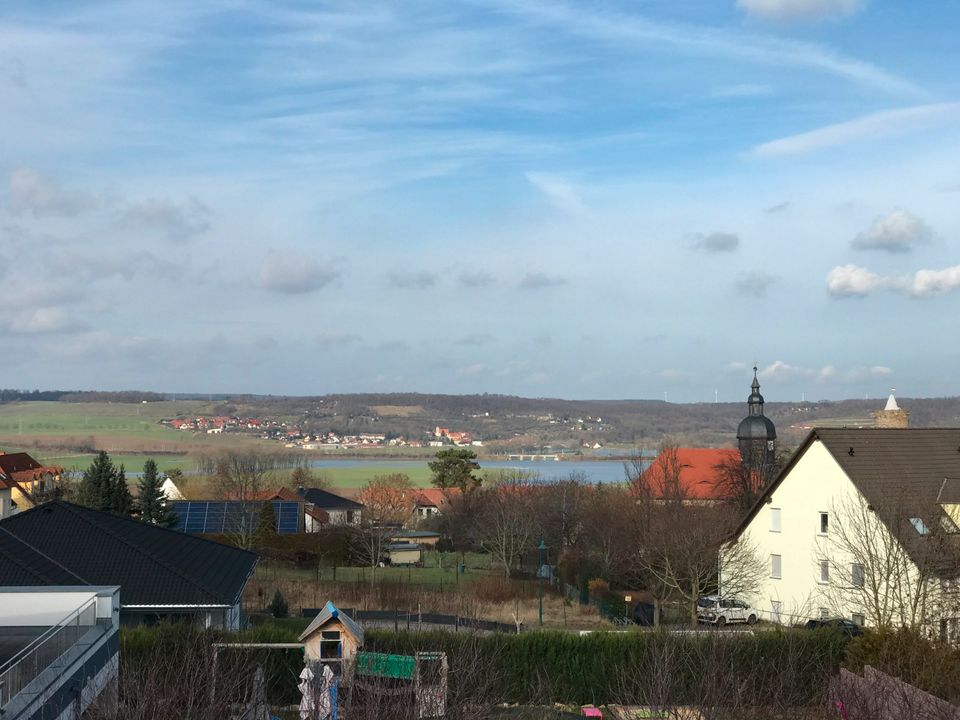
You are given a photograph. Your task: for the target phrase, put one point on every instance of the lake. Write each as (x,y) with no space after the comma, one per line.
(603,471)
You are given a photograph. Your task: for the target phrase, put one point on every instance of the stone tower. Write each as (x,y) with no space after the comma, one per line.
(892,415)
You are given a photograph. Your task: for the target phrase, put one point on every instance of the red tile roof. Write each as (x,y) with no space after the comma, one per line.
(20,467)
(698,470)
(434,497)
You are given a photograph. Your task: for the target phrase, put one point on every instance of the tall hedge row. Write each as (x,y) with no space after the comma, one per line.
(789,667)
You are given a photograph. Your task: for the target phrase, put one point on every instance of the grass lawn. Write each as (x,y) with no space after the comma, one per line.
(437,568)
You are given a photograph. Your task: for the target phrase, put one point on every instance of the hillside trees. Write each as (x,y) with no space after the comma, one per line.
(104,486)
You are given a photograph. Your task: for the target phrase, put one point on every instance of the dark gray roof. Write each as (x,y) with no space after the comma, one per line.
(754,427)
(900,472)
(59,543)
(329,501)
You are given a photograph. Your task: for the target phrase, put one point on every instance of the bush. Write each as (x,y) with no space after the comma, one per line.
(927,664)
(278,606)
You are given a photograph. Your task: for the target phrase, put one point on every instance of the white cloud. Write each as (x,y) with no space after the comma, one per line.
(37,195)
(852,281)
(897,231)
(42,320)
(175,221)
(559,192)
(789,10)
(869,127)
(856,281)
(292,272)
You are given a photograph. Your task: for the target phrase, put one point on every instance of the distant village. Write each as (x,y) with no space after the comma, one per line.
(293,436)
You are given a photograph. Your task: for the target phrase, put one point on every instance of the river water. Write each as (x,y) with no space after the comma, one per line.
(603,471)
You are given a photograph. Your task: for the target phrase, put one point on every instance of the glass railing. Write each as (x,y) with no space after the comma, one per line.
(44,650)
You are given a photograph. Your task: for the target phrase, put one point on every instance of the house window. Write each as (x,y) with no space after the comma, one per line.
(859,619)
(824,571)
(350,517)
(919,525)
(330,645)
(857,575)
(776,608)
(775,566)
(774,519)
(824,613)
(824,523)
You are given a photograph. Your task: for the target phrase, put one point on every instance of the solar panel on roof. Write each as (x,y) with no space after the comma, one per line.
(232,517)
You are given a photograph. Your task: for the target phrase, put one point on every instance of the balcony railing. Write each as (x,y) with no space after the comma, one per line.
(44,650)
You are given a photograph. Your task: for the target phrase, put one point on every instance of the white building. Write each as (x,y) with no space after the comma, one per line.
(862,524)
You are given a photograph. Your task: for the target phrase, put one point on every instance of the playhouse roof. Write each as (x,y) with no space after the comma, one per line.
(329,613)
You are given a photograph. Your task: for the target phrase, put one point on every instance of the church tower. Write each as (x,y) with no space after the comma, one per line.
(756,434)
(892,416)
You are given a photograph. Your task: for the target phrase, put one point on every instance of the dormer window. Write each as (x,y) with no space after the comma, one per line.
(919,526)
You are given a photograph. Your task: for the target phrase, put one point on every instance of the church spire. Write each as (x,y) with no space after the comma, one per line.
(755,401)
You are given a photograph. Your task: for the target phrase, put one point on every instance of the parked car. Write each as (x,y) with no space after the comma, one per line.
(719,611)
(847,627)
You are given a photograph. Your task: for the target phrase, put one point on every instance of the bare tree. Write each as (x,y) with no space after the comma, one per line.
(506,527)
(896,571)
(388,503)
(742,484)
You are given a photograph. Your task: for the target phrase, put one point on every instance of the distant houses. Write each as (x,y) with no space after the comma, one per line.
(26,479)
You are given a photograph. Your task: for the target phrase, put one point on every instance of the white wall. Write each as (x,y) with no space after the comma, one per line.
(41,608)
(815,484)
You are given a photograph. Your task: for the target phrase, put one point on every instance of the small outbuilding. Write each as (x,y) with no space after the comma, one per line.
(404,553)
(332,638)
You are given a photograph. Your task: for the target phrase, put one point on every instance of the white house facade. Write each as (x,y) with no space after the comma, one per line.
(857,526)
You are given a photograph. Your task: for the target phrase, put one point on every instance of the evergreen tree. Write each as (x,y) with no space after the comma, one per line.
(104,486)
(121,501)
(153,504)
(278,606)
(97,484)
(266,523)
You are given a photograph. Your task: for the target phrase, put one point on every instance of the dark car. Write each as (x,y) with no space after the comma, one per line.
(847,627)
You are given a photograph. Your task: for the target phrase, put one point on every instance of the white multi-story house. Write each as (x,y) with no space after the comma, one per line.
(862,524)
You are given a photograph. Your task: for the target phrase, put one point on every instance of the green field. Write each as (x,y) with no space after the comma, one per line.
(438,568)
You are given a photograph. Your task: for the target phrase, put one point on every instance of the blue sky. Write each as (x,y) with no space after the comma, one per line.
(591,199)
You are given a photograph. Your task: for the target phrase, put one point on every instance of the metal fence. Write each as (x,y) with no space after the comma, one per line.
(408,620)
(44,650)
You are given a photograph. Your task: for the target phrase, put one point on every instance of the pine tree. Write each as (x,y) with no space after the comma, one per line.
(96,486)
(120,497)
(104,486)
(153,504)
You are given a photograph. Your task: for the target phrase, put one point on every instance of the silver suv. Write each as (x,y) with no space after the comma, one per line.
(719,611)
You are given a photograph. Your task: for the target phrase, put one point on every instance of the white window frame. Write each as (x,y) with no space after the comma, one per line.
(776,566)
(821,515)
(776,519)
(824,578)
(858,619)
(776,610)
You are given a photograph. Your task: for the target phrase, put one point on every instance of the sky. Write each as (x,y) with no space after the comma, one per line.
(569,199)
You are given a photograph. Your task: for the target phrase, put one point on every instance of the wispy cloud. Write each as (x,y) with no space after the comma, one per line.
(896,232)
(336,339)
(855,281)
(291,272)
(888,123)
(173,221)
(38,195)
(559,192)
(778,208)
(475,339)
(791,10)
(639,31)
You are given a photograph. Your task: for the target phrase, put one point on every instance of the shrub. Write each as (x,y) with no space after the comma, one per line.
(278,606)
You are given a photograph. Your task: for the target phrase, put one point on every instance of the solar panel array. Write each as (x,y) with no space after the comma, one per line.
(231,517)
